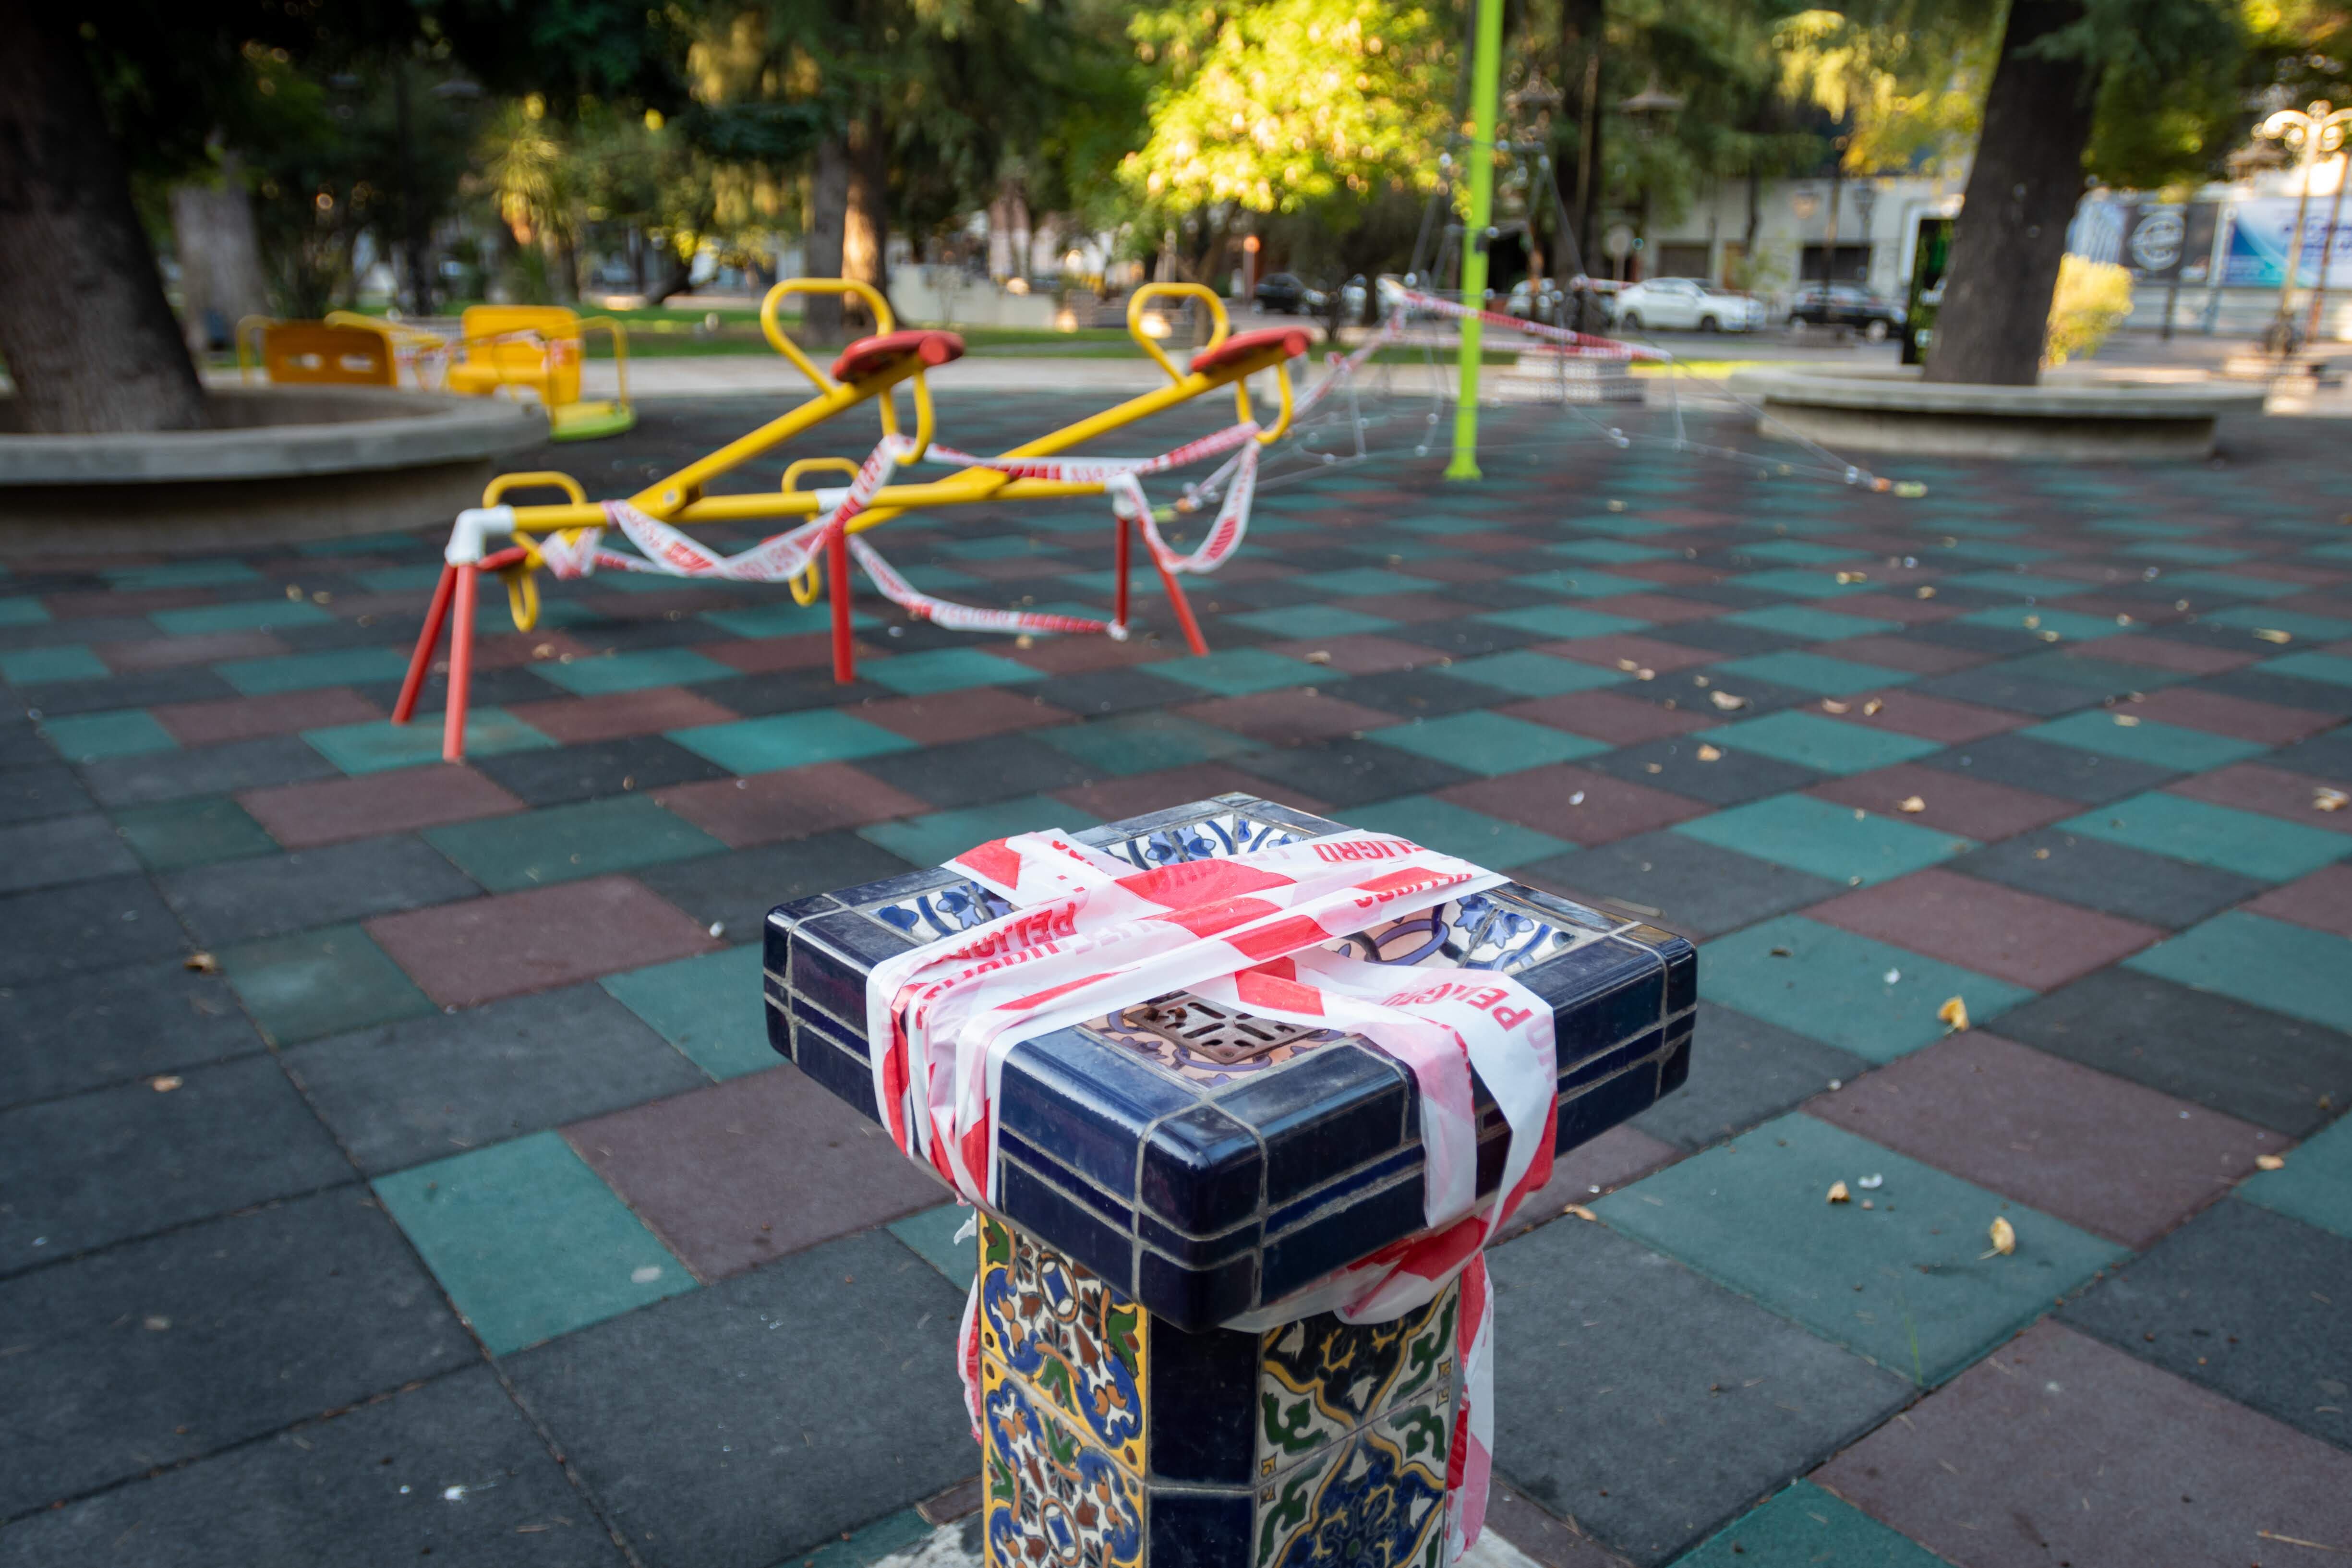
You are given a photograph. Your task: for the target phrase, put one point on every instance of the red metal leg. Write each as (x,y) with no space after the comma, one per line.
(461,667)
(836,566)
(1118,565)
(1183,608)
(422,661)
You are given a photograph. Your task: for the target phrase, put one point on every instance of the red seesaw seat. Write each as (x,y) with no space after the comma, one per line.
(867,356)
(1292,339)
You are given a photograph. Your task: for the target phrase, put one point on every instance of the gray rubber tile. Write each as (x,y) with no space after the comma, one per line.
(1697,888)
(2261,1067)
(2113,879)
(974,772)
(186,1343)
(738,888)
(84,925)
(76,1032)
(2248,1302)
(1732,779)
(244,901)
(2068,772)
(718,1436)
(1743,1071)
(1344,773)
(632,763)
(214,770)
(2057,1450)
(62,849)
(1651,1406)
(368,1488)
(40,790)
(1999,686)
(421,1088)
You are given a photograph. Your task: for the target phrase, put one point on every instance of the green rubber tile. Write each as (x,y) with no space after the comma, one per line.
(1362,581)
(253,615)
(1814,672)
(931,1235)
(2314,1186)
(65,661)
(1457,830)
(711,1008)
(1993,550)
(1825,839)
(1797,553)
(23,612)
(1805,1527)
(1238,671)
(1560,621)
(2290,969)
(2145,528)
(184,833)
(2231,585)
(1831,985)
(319,982)
(400,579)
(632,672)
(788,740)
(1608,552)
(946,669)
(1906,1283)
(2185,554)
(2021,584)
(2294,623)
(1489,743)
(1314,621)
(938,579)
(309,671)
(2068,625)
(93,737)
(1585,585)
(1531,674)
(2333,669)
(938,837)
(380,745)
(2163,745)
(2246,842)
(1816,740)
(181,574)
(528,1242)
(1813,625)
(1798,583)
(782,620)
(1003,547)
(1616,524)
(1143,743)
(565,842)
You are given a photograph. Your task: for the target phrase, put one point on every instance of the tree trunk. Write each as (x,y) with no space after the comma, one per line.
(84,325)
(221,280)
(866,227)
(2023,190)
(1580,24)
(828,213)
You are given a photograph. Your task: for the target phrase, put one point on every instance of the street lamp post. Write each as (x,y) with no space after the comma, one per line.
(2312,134)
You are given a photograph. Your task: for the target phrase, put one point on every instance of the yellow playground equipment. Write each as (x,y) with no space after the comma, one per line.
(869,368)
(538,348)
(316,353)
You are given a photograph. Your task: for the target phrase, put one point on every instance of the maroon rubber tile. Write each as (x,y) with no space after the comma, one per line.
(1915,713)
(91,605)
(1288,717)
(1495,539)
(1891,652)
(2137,611)
(1111,799)
(1605,716)
(1548,800)
(2322,901)
(1952,802)
(2287,572)
(2057,1449)
(1361,653)
(2236,715)
(753,1169)
(765,656)
(1905,610)
(1613,652)
(1075,656)
(1548,1541)
(616,715)
(2156,653)
(969,715)
(168,653)
(2021,937)
(1447,570)
(332,811)
(1411,609)
(2109,1155)
(1017,568)
(468,953)
(1670,574)
(792,803)
(242,718)
(1589,1170)
(2273,791)
(1658,609)
(1688,517)
(643,606)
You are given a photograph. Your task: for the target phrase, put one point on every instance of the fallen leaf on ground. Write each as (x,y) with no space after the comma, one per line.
(1318,657)
(1912,805)
(1627,664)
(1783,952)
(1645,675)
(2128,720)
(202,962)
(1871,1184)
(2004,1237)
(1709,755)
(1580,1212)
(2269,634)
(2270,1162)
(1576,799)
(2031,622)
(1726,702)
(1926,592)
(165,1084)
(2329,800)
(1954,1012)
(1853,576)
(1838,1194)
(1831,705)
(1871,707)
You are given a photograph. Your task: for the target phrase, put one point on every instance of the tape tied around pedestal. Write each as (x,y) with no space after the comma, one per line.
(1090,935)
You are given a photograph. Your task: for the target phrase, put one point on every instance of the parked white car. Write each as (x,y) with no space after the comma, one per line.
(1685,304)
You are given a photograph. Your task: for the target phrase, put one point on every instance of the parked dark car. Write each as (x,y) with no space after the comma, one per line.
(1287,294)
(1845,305)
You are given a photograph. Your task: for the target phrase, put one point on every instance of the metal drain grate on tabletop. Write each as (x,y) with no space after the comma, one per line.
(1208,1030)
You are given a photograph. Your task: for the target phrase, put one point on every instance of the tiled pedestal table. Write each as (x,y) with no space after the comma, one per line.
(1168,1169)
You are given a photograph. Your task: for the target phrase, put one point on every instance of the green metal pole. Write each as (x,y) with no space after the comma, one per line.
(1485,83)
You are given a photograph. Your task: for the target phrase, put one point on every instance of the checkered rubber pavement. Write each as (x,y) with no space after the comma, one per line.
(451,1200)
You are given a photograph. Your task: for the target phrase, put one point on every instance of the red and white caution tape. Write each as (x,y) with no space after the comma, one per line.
(1090,935)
